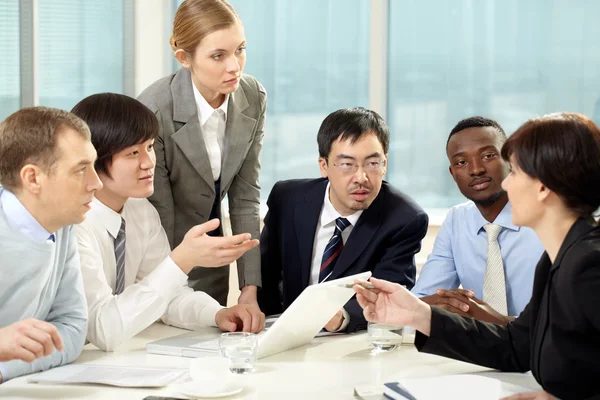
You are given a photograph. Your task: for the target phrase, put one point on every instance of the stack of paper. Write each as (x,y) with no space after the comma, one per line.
(112,375)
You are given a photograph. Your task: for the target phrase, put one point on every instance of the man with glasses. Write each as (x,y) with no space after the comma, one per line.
(347,222)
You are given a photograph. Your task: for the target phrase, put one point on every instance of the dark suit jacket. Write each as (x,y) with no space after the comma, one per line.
(184,189)
(557,335)
(385,239)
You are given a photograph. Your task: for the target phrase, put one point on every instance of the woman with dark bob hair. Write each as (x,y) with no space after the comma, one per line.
(554,188)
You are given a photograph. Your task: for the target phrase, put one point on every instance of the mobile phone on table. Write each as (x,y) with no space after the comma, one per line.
(163,398)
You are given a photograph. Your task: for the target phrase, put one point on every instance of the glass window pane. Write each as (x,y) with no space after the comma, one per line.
(505,59)
(9,58)
(80,50)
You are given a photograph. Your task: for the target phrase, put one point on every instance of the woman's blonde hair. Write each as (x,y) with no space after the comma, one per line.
(195,19)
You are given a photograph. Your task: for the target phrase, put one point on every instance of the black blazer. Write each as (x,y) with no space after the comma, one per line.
(557,336)
(385,239)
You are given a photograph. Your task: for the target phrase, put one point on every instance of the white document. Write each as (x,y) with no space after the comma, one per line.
(463,387)
(112,375)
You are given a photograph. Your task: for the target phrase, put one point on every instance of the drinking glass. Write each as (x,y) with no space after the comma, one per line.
(240,348)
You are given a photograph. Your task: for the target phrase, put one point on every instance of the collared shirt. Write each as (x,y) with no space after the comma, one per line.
(21,219)
(213,133)
(324,232)
(459,256)
(155,287)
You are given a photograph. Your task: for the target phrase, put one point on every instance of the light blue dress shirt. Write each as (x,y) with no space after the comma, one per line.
(460,252)
(18,216)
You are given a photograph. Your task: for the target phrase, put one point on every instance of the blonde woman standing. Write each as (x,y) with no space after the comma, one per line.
(212,119)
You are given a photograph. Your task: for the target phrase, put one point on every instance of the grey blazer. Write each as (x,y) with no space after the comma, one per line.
(183,183)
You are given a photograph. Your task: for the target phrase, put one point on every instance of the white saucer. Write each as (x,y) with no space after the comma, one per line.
(202,390)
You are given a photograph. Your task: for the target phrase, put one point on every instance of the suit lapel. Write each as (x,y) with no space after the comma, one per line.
(362,234)
(306,218)
(189,138)
(238,137)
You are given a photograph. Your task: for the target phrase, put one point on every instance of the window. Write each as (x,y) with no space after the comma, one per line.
(81,50)
(9,58)
(312,56)
(506,60)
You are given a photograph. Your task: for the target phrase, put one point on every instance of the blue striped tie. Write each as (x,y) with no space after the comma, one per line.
(120,258)
(333,249)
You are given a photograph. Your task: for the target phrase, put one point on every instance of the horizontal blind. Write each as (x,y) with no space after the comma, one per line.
(81,50)
(9,58)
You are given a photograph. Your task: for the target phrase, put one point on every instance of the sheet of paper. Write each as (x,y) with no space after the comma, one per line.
(465,386)
(112,375)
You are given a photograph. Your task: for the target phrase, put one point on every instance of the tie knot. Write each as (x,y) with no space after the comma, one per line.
(492,230)
(342,223)
(219,113)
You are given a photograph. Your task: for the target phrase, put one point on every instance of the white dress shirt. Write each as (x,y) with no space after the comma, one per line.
(324,232)
(155,287)
(212,122)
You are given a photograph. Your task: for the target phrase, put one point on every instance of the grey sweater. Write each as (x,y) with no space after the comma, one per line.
(43,281)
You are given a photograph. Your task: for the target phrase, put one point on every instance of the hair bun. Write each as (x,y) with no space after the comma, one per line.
(173,43)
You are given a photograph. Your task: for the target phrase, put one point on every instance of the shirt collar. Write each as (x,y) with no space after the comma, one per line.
(20,218)
(205,110)
(504,219)
(330,214)
(106,217)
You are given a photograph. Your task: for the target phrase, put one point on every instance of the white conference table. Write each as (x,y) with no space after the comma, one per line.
(329,368)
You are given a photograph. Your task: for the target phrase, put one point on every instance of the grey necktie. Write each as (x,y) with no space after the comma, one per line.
(120,257)
(494,283)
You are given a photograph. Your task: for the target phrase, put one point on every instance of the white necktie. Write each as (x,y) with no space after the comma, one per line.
(211,138)
(494,283)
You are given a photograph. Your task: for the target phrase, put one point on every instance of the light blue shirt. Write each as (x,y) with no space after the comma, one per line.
(41,278)
(18,216)
(460,252)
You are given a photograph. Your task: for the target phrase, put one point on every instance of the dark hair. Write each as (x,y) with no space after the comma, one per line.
(29,136)
(351,123)
(562,151)
(116,122)
(476,122)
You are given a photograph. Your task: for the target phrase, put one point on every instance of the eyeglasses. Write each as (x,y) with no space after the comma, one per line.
(348,168)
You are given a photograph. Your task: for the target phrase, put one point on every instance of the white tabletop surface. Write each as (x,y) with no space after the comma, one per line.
(328,368)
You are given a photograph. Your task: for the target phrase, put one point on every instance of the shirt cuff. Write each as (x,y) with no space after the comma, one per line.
(346,320)
(208,314)
(4,373)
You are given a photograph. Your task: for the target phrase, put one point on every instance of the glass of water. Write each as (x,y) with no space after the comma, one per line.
(384,337)
(240,348)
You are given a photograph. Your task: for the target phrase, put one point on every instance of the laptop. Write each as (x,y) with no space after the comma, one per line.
(297,326)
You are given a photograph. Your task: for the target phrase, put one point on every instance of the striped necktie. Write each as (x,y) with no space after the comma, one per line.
(333,249)
(494,282)
(120,258)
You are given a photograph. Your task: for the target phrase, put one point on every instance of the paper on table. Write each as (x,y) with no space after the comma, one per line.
(465,386)
(112,375)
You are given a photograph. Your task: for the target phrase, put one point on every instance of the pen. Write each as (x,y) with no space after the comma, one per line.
(351,285)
